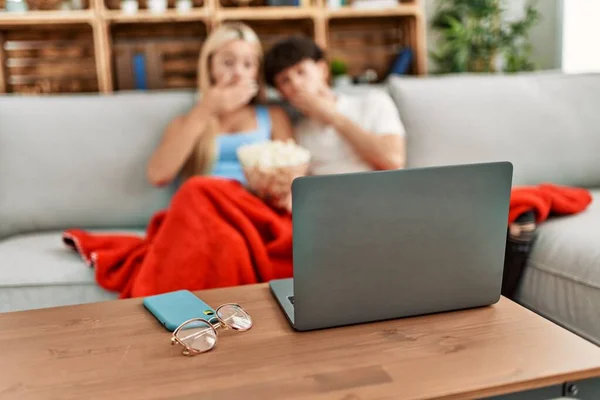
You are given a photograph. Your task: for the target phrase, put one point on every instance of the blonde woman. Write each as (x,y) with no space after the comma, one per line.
(230,113)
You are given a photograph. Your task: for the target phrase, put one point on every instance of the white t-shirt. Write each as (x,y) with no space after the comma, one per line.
(330,152)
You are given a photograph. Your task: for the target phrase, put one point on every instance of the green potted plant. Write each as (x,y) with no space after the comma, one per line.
(339,72)
(475,37)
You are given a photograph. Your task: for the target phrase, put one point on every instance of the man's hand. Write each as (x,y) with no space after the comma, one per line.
(319,106)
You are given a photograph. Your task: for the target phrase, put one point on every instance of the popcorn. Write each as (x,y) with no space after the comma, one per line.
(273,154)
(270,167)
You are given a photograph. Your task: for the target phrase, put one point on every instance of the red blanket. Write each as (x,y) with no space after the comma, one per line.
(217,234)
(546,199)
(214,234)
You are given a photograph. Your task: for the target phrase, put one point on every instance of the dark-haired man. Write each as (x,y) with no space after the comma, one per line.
(343,132)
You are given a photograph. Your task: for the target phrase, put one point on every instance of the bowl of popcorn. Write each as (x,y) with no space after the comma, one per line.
(270,168)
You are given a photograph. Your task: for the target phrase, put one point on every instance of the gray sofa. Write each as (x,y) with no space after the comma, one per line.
(78,161)
(548,126)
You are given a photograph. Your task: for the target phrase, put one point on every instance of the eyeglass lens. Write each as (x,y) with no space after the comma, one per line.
(198,335)
(235,317)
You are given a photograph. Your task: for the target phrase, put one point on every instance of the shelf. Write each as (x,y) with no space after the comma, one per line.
(368,38)
(142,16)
(350,12)
(265,13)
(172,15)
(45,17)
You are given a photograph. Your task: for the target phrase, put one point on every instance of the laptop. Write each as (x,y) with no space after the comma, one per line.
(382,245)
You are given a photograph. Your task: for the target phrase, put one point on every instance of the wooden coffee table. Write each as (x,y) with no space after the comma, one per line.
(117,350)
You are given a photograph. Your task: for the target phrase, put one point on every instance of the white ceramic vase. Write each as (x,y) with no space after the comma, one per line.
(342,80)
(16,6)
(334,4)
(129,6)
(184,5)
(157,6)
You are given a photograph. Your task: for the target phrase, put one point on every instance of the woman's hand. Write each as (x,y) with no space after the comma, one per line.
(230,95)
(274,186)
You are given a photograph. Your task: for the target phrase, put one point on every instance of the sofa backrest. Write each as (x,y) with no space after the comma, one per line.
(547,124)
(79,161)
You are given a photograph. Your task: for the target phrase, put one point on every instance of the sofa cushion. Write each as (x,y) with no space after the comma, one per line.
(546,124)
(38,270)
(80,160)
(562,278)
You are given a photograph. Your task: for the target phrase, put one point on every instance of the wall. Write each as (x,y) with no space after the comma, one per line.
(545,36)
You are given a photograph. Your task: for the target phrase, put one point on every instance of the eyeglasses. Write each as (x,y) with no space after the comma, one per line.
(199,335)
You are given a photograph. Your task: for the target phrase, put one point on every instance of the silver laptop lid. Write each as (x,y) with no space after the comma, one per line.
(380,245)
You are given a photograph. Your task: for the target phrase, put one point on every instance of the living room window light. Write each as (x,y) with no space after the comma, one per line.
(580,36)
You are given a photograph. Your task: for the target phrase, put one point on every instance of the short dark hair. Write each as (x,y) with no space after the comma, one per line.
(289,52)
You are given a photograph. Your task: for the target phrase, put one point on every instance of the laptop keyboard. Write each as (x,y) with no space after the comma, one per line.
(291,299)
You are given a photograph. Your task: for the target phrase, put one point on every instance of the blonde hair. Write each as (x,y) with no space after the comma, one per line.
(204,155)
